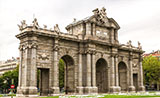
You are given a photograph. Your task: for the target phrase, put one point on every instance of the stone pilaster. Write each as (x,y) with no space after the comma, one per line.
(88,87)
(94,87)
(112,36)
(112,75)
(118,89)
(80,87)
(88,30)
(141,86)
(55,88)
(131,87)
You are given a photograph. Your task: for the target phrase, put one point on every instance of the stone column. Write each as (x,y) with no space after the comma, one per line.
(118,89)
(88,73)
(95,89)
(141,86)
(112,75)
(55,88)
(131,87)
(80,87)
(29,85)
(19,91)
(33,70)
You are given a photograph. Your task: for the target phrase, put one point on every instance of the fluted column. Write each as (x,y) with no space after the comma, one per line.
(95,90)
(80,87)
(55,88)
(141,86)
(131,87)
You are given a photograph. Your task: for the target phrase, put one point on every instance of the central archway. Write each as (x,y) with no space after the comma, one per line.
(66,73)
(102,76)
(122,70)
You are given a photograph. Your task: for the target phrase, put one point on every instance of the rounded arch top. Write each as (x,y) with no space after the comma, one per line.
(68,59)
(122,65)
(101,61)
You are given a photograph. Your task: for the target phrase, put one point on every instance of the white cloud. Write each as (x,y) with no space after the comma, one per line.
(138,19)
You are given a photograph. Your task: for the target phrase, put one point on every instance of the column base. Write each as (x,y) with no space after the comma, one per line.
(115,89)
(55,90)
(27,91)
(141,89)
(131,89)
(94,90)
(88,89)
(79,90)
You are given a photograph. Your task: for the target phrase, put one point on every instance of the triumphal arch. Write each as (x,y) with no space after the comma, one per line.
(95,61)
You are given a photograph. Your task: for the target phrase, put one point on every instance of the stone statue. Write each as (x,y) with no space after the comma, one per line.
(103,12)
(35,23)
(139,45)
(56,28)
(129,43)
(23,25)
(100,15)
(45,26)
(96,11)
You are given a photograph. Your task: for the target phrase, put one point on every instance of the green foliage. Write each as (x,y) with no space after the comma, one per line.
(151,67)
(61,73)
(6,79)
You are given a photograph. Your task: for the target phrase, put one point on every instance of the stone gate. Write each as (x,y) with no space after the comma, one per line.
(95,61)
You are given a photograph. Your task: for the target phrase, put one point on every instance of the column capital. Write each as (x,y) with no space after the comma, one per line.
(28,45)
(88,51)
(80,51)
(55,48)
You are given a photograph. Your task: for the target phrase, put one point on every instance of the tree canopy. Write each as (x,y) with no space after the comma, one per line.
(151,66)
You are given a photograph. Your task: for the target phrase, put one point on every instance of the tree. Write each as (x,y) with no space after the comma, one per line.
(61,73)
(151,67)
(6,79)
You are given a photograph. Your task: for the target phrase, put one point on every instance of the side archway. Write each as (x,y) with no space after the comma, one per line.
(122,71)
(66,73)
(102,75)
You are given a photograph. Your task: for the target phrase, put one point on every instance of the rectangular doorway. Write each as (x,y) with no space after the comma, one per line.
(135,81)
(44,81)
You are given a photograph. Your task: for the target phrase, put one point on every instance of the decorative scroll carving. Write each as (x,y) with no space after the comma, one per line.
(43,56)
(134,65)
(23,25)
(100,15)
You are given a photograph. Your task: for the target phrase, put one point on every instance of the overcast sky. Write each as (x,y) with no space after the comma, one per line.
(139,19)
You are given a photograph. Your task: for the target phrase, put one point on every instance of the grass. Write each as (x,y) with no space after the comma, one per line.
(106,96)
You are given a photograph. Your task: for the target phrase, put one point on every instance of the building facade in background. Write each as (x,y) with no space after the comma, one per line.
(95,61)
(8,65)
